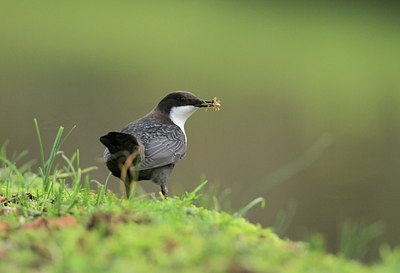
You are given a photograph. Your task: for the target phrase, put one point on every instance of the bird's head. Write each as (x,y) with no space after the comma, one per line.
(180,105)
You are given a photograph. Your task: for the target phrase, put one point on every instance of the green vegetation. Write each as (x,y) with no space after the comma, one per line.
(54,222)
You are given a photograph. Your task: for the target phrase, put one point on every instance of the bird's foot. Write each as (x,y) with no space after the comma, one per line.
(164,191)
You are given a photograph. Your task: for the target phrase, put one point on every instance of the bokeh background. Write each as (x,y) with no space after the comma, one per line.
(310,116)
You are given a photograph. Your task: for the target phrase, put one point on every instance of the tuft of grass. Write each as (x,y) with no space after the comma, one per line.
(355,238)
(215,198)
(284,218)
(46,166)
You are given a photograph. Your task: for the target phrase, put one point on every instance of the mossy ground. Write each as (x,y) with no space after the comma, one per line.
(80,231)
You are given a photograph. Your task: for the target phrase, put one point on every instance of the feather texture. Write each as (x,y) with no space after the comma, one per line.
(163,143)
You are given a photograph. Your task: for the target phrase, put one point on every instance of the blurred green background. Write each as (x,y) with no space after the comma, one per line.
(310,116)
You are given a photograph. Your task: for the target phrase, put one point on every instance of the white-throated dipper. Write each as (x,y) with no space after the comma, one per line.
(149,148)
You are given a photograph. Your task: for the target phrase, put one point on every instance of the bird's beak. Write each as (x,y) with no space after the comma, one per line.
(205,103)
(214,103)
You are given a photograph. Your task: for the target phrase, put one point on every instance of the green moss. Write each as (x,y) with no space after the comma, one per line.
(146,235)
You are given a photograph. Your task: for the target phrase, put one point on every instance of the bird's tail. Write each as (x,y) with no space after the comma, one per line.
(124,152)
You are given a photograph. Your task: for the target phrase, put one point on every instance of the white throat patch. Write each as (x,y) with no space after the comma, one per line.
(179,115)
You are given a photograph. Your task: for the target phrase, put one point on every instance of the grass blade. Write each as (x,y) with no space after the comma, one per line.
(49,163)
(41,149)
(242,212)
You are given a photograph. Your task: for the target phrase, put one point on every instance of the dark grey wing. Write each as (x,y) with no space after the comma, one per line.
(163,144)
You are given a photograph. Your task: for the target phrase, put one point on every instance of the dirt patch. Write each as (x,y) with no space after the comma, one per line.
(51,223)
(4,227)
(107,220)
(170,246)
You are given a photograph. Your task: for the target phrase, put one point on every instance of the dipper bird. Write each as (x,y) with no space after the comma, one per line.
(149,148)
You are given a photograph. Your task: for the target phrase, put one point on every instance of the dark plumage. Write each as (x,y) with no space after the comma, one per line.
(149,148)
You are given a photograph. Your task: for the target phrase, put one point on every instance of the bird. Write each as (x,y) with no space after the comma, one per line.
(150,147)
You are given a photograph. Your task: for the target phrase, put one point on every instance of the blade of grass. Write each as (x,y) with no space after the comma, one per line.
(242,212)
(67,135)
(41,148)
(356,238)
(100,195)
(71,168)
(49,163)
(19,156)
(78,160)
(71,174)
(193,195)
(284,218)
(200,187)
(3,149)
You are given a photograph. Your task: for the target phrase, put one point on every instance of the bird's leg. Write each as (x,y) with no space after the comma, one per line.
(160,176)
(164,190)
